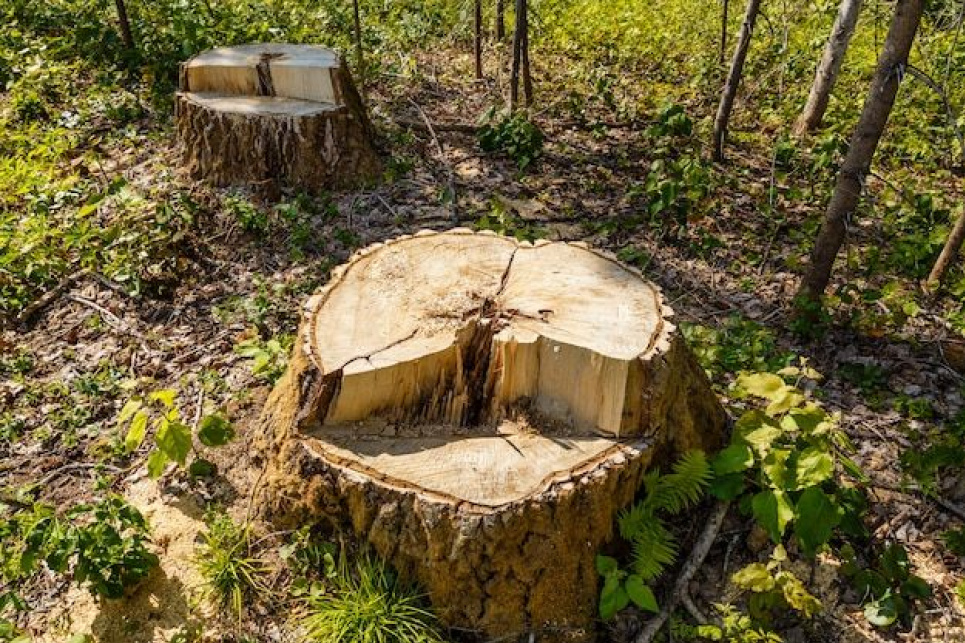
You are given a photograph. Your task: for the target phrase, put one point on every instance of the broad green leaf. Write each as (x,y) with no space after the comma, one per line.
(882,612)
(916,587)
(606,565)
(773,512)
(128,411)
(766,385)
(810,419)
(783,401)
(641,595)
(613,597)
(894,563)
(174,439)
(733,459)
(201,468)
(758,430)
(774,467)
(727,487)
(813,467)
(215,431)
(816,518)
(754,577)
(137,431)
(156,463)
(164,396)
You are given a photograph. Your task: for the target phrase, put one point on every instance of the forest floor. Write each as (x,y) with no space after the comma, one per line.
(67,366)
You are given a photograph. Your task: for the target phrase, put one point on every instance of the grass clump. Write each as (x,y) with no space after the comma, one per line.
(368,605)
(233,574)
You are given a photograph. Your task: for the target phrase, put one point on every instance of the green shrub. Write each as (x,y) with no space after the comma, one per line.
(233,574)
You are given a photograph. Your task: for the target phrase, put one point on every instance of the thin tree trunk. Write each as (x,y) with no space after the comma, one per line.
(477,39)
(125,24)
(517,50)
(828,68)
(500,20)
(864,141)
(524,46)
(723,31)
(734,78)
(952,247)
(359,53)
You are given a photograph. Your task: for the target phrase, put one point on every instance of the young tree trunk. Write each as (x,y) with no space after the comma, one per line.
(734,78)
(952,246)
(828,68)
(517,54)
(125,24)
(864,141)
(477,39)
(723,31)
(500,20)
(524,46)
(359,53)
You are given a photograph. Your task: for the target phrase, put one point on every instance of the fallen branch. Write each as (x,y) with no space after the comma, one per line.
(465,128)
(442,159)
(693,563)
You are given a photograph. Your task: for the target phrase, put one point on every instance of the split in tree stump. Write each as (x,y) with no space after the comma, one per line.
(273,115)
(478,410)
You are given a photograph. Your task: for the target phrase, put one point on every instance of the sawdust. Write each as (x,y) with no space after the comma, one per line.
(167,602)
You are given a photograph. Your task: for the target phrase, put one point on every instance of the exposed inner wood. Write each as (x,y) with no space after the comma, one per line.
(288,71)
(473,359)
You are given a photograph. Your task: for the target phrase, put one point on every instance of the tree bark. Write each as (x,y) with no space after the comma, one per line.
(479,410)
(477,39)
(864,141)
(524,45)
(500,20)
(734,78)
(827,72)
(271,116)
(723,31)
(125,24)
(517,55)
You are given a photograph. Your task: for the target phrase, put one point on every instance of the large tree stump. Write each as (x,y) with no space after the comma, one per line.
(478,410)
(273,114)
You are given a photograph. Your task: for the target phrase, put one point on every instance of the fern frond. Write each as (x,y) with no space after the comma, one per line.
(653,549)
(683,488)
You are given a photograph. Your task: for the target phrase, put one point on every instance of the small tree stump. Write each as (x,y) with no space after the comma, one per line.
(478,410)
(273,114)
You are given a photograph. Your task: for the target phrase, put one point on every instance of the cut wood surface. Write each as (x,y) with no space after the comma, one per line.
(273,113)
(479,409)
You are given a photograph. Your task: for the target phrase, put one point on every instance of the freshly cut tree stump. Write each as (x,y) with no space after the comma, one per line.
(273,114)
(478,410)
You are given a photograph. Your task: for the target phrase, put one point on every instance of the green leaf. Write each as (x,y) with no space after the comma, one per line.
(882,612)
(755,577)
(916,587)
(813,467)
(641,595)
(613,597)
(137,431)
(164,396)
(128,410)
(215,431)
(766,385)
(784,401)
(773,512)
(727,487)
(816,519)
(606,565)
(894,563)
(156,463)
(809,420)
(201,468)
(775,471)
(733,459)
(758,431)
(174,439)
